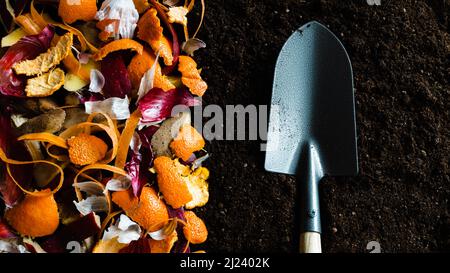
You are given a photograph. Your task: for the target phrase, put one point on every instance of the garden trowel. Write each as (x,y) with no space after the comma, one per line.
(312,131)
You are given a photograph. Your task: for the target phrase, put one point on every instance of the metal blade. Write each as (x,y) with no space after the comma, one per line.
(313,104)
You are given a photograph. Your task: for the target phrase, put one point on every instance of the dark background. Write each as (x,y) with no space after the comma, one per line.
(400,55)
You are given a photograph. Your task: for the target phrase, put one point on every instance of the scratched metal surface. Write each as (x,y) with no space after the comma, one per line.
(313,104)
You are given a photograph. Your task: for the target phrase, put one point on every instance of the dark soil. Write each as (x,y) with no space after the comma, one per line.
(400,55)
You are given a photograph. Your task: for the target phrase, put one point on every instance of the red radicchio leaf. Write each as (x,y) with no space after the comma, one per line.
(29,47)
(79,230)
(176,213)
(13,149)
(146,135)
(133,169)
(141,161)
(30,248)
(117,81)
(140,246)
(5,231)
(157,104)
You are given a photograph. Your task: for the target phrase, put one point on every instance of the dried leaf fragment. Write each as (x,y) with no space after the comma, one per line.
(45,61)
(46,84)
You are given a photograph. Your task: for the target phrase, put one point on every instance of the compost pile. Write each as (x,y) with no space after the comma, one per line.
(92,157)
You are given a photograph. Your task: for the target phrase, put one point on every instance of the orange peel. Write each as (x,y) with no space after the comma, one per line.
(108,246)
(171,176)
(198,187)
(27,23)
(149,211)
(71,11)
(188,141)
(140,64)
(110,129)
(86,149)
(195,229)
(104,35)
(190,76)
(122,44)
(46,137)
(178,15)
(141,5)
(164,246)
(125,138)
(150,31)
(34,216)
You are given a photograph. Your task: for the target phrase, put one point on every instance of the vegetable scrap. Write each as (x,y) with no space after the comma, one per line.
(89,150)
(34,216)
(190,76)
(72,11)
(46,61)
(195,230)
(151,31)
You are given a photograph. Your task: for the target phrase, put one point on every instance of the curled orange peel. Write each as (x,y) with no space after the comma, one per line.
(122,44)
(125,138)
(45,137)
(10,162)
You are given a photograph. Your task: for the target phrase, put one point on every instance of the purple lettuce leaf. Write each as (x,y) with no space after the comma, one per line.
(77,231)
(5,230)
(157,104)
(29,47)
(9,191)
(142,245)
(117,80)
(140,161)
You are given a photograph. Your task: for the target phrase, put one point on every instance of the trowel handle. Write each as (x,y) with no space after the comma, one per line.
(310,242)
(309,175)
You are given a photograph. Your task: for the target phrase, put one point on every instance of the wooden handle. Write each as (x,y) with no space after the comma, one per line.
(310,242)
